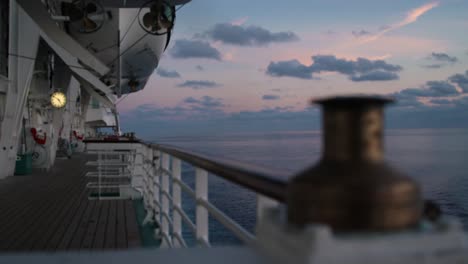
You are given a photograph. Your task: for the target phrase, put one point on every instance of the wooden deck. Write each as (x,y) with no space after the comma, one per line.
(51,212)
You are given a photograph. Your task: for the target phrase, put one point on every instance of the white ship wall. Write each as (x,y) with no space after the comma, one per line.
(24,39)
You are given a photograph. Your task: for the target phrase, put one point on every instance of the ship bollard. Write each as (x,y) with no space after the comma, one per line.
(352,207)
(352,188)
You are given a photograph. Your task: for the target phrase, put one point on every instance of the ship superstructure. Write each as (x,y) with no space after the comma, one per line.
(90,51)
(64,64)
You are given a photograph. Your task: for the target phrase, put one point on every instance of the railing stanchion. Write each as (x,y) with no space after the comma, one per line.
(201,192)
(156,192)
(164,198)
(263,203)
(176,201)
(147,186)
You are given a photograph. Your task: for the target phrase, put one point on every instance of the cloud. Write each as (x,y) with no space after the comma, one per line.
(431,89)
(411,17)
(167,74)
(375,76)
(291,68)
(205,101)
(358,70)
(270,97)
(434,90)
(240,21)
(247,36)
(433,66)
(191,108)
(191,121)
(188,49)
(360,33)
(199,67)
(205,115)
(461,80)
(441,101)
(349,67)
(441,59)
(198,84)
(444,114)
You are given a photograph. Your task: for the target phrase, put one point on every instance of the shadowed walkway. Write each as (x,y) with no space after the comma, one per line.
(51,211)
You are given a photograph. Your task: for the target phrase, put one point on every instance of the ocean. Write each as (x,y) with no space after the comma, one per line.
(436,158)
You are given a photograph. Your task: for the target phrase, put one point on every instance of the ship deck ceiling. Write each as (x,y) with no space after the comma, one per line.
(51,212)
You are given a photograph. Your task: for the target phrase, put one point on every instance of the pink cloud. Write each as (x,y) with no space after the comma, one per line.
(411,17)
(239,21)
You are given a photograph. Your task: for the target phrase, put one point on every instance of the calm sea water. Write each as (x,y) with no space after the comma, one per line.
(437,159)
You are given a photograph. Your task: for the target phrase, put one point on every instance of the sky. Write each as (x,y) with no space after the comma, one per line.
(253,66)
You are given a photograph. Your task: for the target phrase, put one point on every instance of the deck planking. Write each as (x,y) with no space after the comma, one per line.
(50,211)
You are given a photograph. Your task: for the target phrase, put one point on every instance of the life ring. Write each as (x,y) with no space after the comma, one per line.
(77,136)
(40,139)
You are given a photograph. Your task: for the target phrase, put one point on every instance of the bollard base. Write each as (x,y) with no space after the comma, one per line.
(442,242)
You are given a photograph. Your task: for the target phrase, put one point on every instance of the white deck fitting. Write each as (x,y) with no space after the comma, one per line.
(443,242)
(227,255)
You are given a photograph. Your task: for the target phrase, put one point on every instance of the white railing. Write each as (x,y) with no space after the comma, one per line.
(162,191)
(157,174)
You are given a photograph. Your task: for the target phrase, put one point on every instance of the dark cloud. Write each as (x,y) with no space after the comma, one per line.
(360,33)
(199,84)
(349,67)
(433,66)
(443,57)
(441,101)
(199,67)
(405,101)
(434,89)
(191,109)
(151,121)
(205,101)
(191,100)
(442,60)
(247,36)
(442,115)
(187,49)
(292,68)
(431,89)
(270,97)
(167,74)
(359,70)
(461,80)
(376,76)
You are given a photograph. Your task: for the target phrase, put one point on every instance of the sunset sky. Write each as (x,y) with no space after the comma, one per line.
(240,66)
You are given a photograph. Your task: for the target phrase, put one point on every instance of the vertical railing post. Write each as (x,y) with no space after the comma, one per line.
(263,203)
(155,186)
(201,193)
(148,185)
(164,199)
(176,202)
(99,174)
